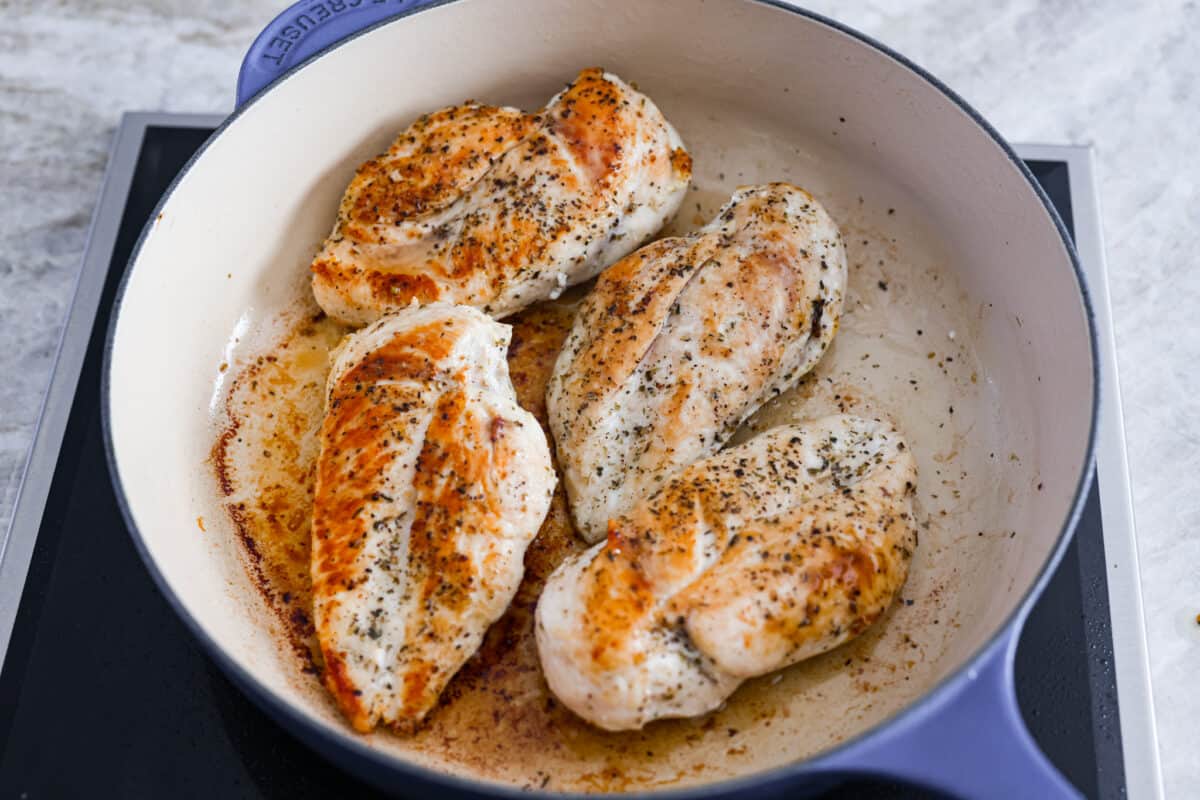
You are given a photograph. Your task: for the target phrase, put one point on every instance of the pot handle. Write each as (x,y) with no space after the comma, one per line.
(971,743)
(305,29)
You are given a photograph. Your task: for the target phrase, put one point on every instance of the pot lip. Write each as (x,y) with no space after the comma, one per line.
(330,737)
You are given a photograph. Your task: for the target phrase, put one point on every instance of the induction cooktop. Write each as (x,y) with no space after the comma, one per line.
(103,692)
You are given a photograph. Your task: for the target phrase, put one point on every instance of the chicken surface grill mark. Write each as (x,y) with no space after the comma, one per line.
(431,482)
(498,209)
(741,564)
(681,341)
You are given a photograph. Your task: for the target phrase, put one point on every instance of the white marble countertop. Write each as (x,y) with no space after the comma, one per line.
(1121,76)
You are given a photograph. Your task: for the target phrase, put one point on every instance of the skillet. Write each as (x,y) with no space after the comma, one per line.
(934,205)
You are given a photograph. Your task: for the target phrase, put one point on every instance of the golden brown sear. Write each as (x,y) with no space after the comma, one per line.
(431,482)
(498,209)
(744,563)
(681,341)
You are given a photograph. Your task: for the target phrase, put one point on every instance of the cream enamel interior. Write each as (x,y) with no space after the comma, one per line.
(758,93)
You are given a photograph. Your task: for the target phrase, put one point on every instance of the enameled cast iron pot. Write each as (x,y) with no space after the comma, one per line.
(329,83)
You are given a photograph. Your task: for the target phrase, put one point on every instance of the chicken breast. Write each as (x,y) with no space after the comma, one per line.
(678,343)
(744,563)
(431,482)
(497,209)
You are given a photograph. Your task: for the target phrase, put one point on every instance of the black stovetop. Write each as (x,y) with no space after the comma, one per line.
(104,693)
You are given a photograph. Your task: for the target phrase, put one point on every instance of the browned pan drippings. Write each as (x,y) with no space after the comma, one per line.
(265,462)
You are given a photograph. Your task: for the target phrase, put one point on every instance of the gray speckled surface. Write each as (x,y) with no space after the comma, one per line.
(1121,76)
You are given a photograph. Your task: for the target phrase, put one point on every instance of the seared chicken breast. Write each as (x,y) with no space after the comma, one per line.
(497,209)
(681,341)
(431,482)
(741,564)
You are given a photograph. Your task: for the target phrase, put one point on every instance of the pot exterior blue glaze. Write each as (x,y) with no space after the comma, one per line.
(965,738)
(307,28)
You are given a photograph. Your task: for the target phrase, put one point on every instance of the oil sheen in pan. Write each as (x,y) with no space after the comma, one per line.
(905,350)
